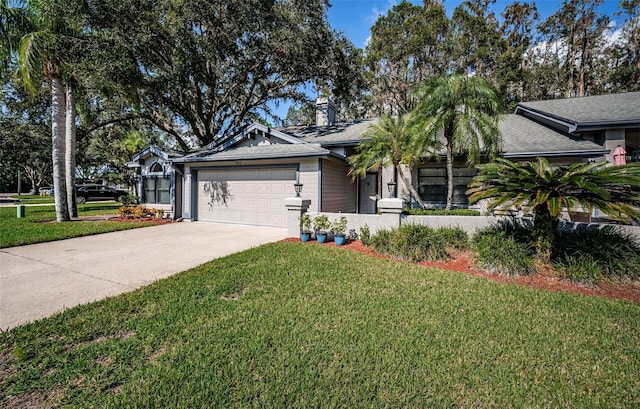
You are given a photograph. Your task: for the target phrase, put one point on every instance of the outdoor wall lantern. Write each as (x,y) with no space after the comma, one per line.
(298,188)
(392,189)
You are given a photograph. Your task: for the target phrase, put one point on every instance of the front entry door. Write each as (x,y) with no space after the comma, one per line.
(368,194)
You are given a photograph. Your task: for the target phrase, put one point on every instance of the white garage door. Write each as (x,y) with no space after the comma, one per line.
(248,196)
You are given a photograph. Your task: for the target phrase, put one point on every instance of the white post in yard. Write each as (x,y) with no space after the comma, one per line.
(296,207)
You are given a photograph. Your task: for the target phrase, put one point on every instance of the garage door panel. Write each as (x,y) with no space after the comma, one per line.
(249,196)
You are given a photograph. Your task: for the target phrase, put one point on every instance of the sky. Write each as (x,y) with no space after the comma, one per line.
(356,17)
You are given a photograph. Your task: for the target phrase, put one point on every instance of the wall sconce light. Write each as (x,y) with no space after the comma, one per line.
(392,188)
(298,188)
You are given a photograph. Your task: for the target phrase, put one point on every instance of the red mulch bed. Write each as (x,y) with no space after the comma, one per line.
(547,279)
(147,220)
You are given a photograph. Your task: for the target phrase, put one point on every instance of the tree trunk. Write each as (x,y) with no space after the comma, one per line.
(409,186)
(70,150)
(58,148)
(544,228)
(449,173)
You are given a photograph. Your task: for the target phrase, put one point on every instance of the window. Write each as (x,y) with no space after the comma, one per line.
(433,184)
(156,190)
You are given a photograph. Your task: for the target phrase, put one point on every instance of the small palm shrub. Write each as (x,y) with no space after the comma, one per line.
(418,243)
(591,255)
(504,249)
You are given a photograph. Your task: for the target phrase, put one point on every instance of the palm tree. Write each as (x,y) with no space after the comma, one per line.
(464,112)
(32,35)
(390,141)
(70,148)
(547,191)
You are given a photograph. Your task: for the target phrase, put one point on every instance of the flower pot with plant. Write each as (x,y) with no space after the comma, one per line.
(321,225)
(305,227)
(339,228)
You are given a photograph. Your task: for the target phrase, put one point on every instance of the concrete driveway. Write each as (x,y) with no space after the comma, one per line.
(39,280)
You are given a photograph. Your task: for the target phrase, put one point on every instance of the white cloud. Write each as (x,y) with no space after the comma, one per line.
(376,12)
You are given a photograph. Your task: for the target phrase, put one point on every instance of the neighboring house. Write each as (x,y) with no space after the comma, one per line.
(245,177)
(158,184)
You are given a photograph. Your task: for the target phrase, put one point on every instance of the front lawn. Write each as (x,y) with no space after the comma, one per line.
(305,325)
(39,226)
(34,199)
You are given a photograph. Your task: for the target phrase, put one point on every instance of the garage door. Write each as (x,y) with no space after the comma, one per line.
(248,196)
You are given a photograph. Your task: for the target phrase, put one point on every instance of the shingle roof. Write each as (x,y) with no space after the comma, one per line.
(591,112)
(273,151)
(525,138)
(343,133)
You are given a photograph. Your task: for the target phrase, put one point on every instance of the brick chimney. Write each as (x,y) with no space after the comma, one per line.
(325,111)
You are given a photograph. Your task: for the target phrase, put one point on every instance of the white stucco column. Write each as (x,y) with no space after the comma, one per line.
(296,207)
(390,211)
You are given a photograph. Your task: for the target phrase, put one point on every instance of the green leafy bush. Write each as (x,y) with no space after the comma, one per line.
(504,249)
(418,243)
(365,235)
(128,200)
(321,223)
(441,212)
(594,254)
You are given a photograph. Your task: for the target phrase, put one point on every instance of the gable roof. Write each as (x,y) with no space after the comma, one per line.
(588,113)
(524,138)
(153,150)
(227,141)
(256,152)
(338,134)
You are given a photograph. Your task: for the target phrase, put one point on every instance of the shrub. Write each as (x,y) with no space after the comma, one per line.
(381,241)
(498,250)
(339,225)
(365,235)
(441,212)
(454,237)
(139,212)
(305,223)
(610,250)
(418,243)
(128,200)
(414,242)
(321,223)
(584,269)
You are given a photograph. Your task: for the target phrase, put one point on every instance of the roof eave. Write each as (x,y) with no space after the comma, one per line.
(284,155)
(571,125)
(602,125)
(583,153)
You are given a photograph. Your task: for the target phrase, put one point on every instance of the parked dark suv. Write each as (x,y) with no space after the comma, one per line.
(98,192)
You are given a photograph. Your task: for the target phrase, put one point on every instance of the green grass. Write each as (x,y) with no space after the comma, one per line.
(39,226)
(34,199)
(299,325)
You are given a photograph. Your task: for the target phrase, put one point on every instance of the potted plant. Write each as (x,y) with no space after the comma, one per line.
(339,228)
(321,225)
(305,227)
